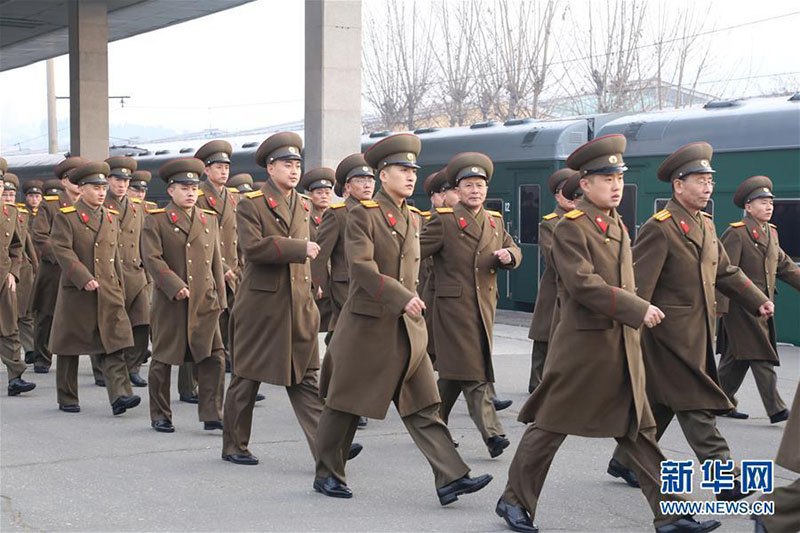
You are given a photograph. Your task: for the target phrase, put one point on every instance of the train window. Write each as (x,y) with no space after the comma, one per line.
(529,206)
(786,215)
(627,208)
(494,204)
(661,203)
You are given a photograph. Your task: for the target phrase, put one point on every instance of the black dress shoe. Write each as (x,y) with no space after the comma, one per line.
(17,386)
(330,486)
(260,397)
(688,525)
(240,458)
(214,424)
(780,416)
(70,408)
(362,422)
(499,405)
(497,444)
(137,380)
(738,415)
(732,495)
(163,426)
(188,399)
(147,355)
(123,403)
(100,382)
(41,369)
(617,469)
(466,485)
(30,357)
(355,449)
(517,518)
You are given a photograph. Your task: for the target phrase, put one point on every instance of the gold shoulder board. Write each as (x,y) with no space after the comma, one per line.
(575,213)
(736,224)
(707,214)
(233,190)
(369,203)
(338,206)
(209,211)
(136,200)
(113,211)
(414,209)
(444,209)
(200,192)
(21,208)
(159,210)
(254,194)
(497,214)
(662,215)
(51,198)
(426,214)
(551,216)
(68,209)
(773,225)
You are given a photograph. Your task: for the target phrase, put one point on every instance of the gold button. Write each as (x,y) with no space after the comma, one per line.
(190,261)
(190,278)
(96,245)
(188,245)
(401,280)
(207,261)
(305,278)
(96,259)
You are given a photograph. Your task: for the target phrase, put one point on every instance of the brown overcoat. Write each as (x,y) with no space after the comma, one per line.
(137,286)
(758,253)
(275,320)
(320,277)
(679,261)
(85,243)
(225,205)
(789,450)
(181,250)
(45,287)
(377,353)
(465,271)
(546,296)
(330,237)
(30,261)
(593,383)
(11,258)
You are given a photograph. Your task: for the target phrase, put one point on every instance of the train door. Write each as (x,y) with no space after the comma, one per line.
(524,281)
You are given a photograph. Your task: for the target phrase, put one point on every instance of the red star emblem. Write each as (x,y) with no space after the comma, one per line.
(305,205)
(755,234)
(491,221)
(5,210)
(271,202)
(109,217)
(203,216)
(391,219)
(84,217)
(317,220)
(602,223)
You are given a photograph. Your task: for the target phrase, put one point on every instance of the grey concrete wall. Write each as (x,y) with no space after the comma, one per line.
(333,81)
(88,78)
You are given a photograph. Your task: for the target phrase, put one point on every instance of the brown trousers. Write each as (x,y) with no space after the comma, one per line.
(41,339)
(241,398)
(187,379)
(731,375)
(700,430)
(114,372)
(337,428)
(211,379)
(538,447)
(135,355)
(479,405)
(538,356)
(9,353)
(25,325)
(787,509)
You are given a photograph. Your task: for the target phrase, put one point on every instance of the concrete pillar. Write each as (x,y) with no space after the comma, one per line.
(333,81)
(52,115)
(88,78)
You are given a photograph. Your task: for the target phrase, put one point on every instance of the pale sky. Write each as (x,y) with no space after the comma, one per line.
(243,68)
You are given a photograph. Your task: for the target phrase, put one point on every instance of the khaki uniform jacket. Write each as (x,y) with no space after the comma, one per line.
(679,261)
(789,450)
(427,291)
(594,377)
(546,296)
(759,255)
(275,320)
(30,261)
(330,237)
(465,270)
(225,206)
(137,285)
(10,262)
(377,353)
(45,287)
(181,250)
(320,277)
(86,244)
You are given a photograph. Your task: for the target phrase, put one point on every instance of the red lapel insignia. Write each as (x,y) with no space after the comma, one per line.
(491,221)
(233,199)
(755,234)
(305,205)
(20,218)
(84,217)
(133,207)
(413,220)
(684,226)
(111,220)
(5,210)
(212,201)
(462,222)
(64,204)
(271,202)
(602,223)
(317,220)
(391,219)
(173,216)
(203,216)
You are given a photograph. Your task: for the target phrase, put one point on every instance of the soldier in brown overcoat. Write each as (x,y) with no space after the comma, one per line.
(678,262)
(434,186)
(137,189)
(318,183)
(90,315)
(786,518)
(594,376)
(469,245)
(45,287)
(751,343)
(546,295)
(180,249)
(10,263)
(377,354)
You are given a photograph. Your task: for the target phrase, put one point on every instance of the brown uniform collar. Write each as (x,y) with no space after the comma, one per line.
(607,224)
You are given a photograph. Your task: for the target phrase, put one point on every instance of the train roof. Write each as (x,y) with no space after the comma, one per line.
(769,123)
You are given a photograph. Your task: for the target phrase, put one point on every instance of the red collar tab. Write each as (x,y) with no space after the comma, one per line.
(491,221)
(305,204)
(212,201)
(462,222)
(84,217)
(173,216)
(109,217)
(684,226)
(317,220)
(203,216)
(755,234)
(391,219)
(602,223)
(271,202)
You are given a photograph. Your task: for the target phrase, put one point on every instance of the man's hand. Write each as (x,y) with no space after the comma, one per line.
(312,249)
(92,285)
(414,307)
(182,294)
(767,309)
(229,275)
(503,255)
(653,316)
(319,293)
(12,283)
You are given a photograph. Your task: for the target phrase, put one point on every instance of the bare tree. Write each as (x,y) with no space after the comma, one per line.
(489,77)
(382,87)
(512,33)
(539,51)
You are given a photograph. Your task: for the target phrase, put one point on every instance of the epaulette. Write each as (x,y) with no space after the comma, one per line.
(233,190)
(254,194)
(200,193)
(736,224)
(208,211)
(772,225)
(414,209)
(426,214)
(21,208)
(338,206)
(301,195)
(112,211)
(369,203)
(551,216)
(444,209)
(709,215)
(51,198)
(158,210)
(575,213)
(136,200)
(21,205)
(68,209)
(662,215)
(497,214)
